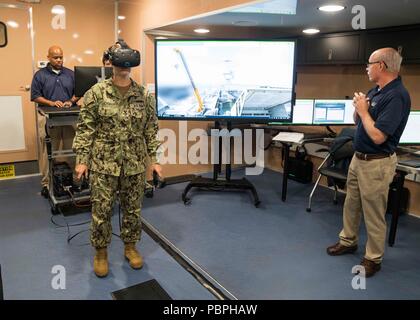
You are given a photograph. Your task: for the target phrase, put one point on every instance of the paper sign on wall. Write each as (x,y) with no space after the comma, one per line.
(7,171)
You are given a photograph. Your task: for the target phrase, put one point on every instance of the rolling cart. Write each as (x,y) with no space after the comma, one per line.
(62,189)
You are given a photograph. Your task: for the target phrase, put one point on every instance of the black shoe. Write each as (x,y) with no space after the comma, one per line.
(45,193)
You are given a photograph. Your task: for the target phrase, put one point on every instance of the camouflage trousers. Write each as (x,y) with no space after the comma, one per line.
(103,195)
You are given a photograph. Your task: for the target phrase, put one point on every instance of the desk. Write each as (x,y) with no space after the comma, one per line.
(399,179)
(309,138)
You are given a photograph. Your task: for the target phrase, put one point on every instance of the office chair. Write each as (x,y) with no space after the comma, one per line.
(336,165)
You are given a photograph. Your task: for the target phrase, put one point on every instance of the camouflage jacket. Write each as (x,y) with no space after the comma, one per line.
(115,132)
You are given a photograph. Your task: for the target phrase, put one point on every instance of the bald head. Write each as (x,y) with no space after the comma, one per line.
(55,57)
(390,57)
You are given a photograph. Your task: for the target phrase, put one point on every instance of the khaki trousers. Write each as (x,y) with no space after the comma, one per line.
(367,191)
(61,139)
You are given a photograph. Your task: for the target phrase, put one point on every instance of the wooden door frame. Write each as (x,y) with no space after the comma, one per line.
(29,10)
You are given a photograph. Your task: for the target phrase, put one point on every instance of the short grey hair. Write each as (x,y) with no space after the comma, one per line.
(392,58)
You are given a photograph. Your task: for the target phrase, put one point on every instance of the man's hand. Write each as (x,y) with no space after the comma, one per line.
(67,104)
(58,104)
(360,103)
(157,167)
(81,170)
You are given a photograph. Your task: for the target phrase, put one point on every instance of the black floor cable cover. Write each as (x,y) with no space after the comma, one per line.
(213,289)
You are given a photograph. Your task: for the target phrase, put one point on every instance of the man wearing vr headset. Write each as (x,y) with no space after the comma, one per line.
(116,132)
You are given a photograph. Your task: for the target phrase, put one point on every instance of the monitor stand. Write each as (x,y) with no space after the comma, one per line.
(219,184)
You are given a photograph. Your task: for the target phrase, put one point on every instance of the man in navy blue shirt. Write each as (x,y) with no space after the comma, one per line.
(380,117)
(53,86)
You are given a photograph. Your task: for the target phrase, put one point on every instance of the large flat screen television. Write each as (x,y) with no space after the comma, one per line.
(411,134)
(249,80)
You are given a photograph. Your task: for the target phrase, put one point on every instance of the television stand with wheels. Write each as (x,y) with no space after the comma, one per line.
(218,184)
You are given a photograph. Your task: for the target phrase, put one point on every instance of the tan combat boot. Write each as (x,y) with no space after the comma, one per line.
(133,256)
(100,262)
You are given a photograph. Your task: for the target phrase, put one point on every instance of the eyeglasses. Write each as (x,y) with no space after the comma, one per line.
(373,62)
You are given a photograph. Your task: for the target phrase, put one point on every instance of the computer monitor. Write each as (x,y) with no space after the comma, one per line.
(303,111)
(411,134)
(333,112)
(86,77)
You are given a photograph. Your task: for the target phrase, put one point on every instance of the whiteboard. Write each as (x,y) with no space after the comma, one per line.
(12,134)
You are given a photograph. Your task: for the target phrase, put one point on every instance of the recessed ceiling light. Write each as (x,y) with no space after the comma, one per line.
(202,30)
(121,17)
(310,31)
(161,38)
(12,24)
(331,8)
(58,10)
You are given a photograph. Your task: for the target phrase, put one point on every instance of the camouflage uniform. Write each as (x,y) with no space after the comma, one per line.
(115,134)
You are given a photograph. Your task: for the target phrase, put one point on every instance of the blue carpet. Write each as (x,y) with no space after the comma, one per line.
(277,251)
(30,246)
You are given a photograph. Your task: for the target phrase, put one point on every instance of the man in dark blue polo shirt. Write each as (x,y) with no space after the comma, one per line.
(380,117)
(53,86)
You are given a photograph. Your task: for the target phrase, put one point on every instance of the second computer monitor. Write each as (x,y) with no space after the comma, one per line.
(303,112)
(411,134)
(86,77)
(333,112)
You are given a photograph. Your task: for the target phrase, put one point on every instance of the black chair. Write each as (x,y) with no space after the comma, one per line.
(336,165)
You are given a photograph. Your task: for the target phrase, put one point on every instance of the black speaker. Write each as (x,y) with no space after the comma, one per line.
(62,177)
(300,170)
(397,193)
(393,196)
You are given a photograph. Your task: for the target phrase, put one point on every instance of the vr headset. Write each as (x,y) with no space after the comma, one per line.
(123,56)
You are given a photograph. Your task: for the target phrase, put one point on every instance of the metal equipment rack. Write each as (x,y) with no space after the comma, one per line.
(57,117)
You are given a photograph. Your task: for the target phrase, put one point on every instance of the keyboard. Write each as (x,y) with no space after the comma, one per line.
(55,110)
